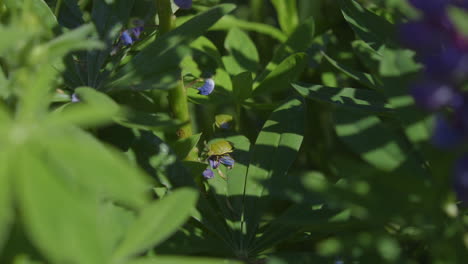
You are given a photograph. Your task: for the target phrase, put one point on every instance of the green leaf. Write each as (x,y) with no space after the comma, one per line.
(59,223)
(299,41)
(378,143)
(287,14)
(77,39)
(99,172)
(396,63)
(373,29)
(242,86)
(281,77)
(284,226)
(228,22)
(108,20)
(94,108)
(149,121)
(181,260)
(156,222)
(6,212)
(70,14)
(157,65)
(361,99)
(205,45)
(459,17)
(362,77)
(274,152)
(243,52)
(183,147)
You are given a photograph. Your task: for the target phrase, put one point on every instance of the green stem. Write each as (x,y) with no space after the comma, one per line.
(57,8)
(178,95)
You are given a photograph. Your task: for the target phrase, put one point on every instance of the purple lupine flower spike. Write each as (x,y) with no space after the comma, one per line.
(207,88)
(461,179)
(227,161)
(430,7)
(445,134)
(433,95)
(126,38)
(183,4)
(208,174)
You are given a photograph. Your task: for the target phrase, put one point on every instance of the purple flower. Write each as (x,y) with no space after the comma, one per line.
(422,36)
(214,163)
(183,4)
(446,134)
(207,87)
(461,179)
(74,98)
(227,161)
(449,65)
(433,95)
(208,174)
(125,38)
(430,7)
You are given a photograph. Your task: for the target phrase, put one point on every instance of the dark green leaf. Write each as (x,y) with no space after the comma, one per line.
(281,77)
(361,99)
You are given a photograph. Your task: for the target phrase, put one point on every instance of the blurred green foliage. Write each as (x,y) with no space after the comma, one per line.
(332,159)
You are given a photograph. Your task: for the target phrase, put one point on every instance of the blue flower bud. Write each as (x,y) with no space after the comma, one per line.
(208,174)
(126,38)
(227,161)
(461,179)
(207,87)
(183,4)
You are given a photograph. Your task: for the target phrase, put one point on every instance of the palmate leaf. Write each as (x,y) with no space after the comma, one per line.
(274,151)
(156,223)
(157,65)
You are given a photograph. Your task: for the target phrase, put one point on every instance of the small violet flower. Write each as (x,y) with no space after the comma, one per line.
(208,174)
(227,161)
(207,87)
(214,162)
(74,98)
(183,4)
(125,38)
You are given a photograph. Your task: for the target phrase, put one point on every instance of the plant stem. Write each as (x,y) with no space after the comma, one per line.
(57,8)
(177,96)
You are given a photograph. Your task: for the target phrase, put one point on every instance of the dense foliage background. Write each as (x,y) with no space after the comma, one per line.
(262,131)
